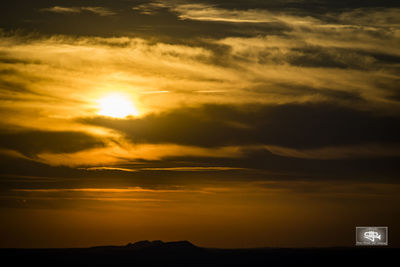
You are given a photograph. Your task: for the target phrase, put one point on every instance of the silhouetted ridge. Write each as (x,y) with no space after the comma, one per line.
(145,244)
(158,244)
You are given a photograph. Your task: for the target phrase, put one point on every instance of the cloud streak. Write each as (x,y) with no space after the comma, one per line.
(101,11)
(182,169)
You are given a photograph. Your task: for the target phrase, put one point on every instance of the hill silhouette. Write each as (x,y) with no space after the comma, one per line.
(184,253)
(154,245)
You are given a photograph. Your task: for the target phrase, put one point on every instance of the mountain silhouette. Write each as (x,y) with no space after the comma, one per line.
(158,244)
(155,245)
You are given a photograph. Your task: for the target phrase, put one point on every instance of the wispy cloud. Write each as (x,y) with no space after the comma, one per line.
(60,9)
(339,152)
(372,18)
(300,187)
(205,12)
(193,169)
(101,11)
(150,8)
(184,169)
(101,190)
(115,154)
(109,169)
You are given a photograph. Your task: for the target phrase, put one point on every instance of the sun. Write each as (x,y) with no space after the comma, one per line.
(117,105)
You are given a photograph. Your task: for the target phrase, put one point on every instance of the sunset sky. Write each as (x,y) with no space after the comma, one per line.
(231,123)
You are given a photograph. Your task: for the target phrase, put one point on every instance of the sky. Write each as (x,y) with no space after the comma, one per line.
(226,123)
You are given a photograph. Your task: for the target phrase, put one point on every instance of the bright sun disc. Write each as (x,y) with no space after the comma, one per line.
(116,106)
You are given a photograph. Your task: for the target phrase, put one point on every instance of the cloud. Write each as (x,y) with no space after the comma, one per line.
(301,15)
(101,190)
(292,125)
(101,11)
(269,69)
(150,8)
(210,13)
(183,169)
(339,152)
(193,169)
(372,17)
(102,168)
(207,192)
(301,19)
(332,36)
(117,154)
(60,9)
(33,142)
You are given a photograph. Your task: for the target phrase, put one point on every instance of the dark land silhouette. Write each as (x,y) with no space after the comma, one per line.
(184,253)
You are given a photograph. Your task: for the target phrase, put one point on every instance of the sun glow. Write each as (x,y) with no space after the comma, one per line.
(117,106)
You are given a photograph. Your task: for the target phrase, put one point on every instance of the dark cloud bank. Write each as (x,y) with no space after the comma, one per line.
(31,142)
(309,125)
